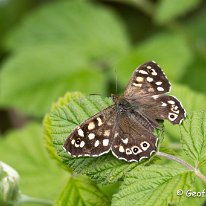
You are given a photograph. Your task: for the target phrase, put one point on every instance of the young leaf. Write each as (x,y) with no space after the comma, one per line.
(9,185)
(80,191)
(24,151)
(153,185)
(193,137)
(61,121)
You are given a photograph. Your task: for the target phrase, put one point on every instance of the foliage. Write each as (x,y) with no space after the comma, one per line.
(107,169)
(57,53)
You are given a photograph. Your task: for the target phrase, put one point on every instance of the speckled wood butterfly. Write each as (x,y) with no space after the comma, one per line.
(127,127)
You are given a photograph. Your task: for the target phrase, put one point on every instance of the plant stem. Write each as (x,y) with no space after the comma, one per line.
(185,164)
(28,199)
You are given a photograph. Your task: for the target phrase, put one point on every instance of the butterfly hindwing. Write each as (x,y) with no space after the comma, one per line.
(147,79)
(133,133)
(92,137)
(134,146)
(173,110)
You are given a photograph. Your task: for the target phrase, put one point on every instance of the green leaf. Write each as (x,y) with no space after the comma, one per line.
(78,23)
(43,75)
(59,123)
(152,185)
(195,29)
(168,10)
(196,72)
(198,186)
(80,191)
(63,46)
(23,150)
(193,136)
(164,49)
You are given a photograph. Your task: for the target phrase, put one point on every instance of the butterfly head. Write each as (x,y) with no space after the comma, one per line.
(122,104)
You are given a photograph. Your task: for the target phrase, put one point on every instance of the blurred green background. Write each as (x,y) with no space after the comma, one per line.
(48,48)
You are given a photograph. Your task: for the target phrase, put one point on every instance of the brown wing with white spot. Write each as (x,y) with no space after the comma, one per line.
(147,79)
(164,107)
(94,136)
(132,141)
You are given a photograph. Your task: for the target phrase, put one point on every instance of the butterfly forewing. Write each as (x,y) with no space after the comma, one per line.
(94,136)
(147,79)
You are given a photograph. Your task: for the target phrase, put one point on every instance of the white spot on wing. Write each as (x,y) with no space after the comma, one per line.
(105,142)
(116,134)
(163,104)
(136,85)
(121,148)
(155,96)
(91,126)
(99,121)
(125,140)
(160,89)
(82,144)
(140,79)
(154,73)
(158,83)
(142,72)
(171,102)
(80,132)
(91,136)
(149,79)
(96,143)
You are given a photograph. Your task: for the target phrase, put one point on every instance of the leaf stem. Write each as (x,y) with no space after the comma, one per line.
(185,164)
(24,198)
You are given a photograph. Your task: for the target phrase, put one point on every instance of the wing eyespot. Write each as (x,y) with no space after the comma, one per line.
(150,70)
(78,141)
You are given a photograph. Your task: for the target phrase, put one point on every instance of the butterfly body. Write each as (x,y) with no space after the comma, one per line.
(127,127)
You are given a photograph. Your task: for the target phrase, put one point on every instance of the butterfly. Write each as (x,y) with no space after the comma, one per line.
(127,127)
